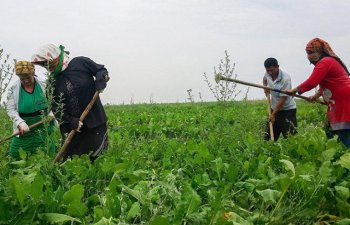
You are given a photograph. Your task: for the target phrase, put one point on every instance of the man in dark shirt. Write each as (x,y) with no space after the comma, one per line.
(74,83)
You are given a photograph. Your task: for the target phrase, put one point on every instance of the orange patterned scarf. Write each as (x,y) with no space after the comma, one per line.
(321,46)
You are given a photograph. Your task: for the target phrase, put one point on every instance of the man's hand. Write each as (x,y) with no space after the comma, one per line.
(267,92)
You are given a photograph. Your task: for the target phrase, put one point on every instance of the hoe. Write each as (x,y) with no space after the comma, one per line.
(219,77)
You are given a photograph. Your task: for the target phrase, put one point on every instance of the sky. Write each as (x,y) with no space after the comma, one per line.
(156,50)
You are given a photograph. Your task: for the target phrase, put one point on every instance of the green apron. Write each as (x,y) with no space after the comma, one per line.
(32,108)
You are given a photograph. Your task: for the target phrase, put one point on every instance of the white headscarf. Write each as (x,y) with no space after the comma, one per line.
(50,52)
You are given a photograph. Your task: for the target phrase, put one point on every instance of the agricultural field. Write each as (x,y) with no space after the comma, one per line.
(189,163)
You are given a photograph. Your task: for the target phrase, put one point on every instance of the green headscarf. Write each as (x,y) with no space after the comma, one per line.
(60,64)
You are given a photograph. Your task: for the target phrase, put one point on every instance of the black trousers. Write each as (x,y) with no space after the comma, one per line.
(285,123)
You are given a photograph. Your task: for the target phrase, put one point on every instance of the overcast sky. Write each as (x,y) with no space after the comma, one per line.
(158,49)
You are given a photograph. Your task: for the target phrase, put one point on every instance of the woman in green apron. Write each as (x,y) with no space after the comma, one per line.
(27,105)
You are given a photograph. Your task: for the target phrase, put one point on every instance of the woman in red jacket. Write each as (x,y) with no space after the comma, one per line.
(332,76)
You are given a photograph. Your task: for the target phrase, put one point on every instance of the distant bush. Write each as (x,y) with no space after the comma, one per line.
(7,69)
(224,91)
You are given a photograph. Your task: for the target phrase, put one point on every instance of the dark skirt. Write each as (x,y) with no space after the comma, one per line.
(91,141)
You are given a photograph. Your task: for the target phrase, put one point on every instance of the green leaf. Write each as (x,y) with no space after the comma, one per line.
(19,163)
(306,177)
(93,200)
(118,168)
(36,189)
(307,168)
(343,207)
(332,143)
(112,204)
(218,166)
(29,178)
(249,187)
(134,211)
(160,221)
(76,208)
(58,218)
(72,198)
(134,193)
(105,221)
(232,172)
(328,155)
(28,185)
(345,161)
(269,195)
(6,211)
(343,222)
(194,201)
(288,165)
(285,182)
(302,151)
(98,213)
(20,190)
(74,194)
(188,204)
(343,192)
(325,170)
(203,180)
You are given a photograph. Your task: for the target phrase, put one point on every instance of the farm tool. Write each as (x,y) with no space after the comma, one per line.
(269,111)
(45,120)
(72,132)
(218,78)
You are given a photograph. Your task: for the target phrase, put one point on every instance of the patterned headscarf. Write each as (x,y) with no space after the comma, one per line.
(25,68)
(49,52)
(322,47)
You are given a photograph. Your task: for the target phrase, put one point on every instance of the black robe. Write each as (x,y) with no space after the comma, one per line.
(73,90)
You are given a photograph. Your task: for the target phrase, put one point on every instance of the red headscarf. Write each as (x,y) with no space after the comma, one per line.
(321,46)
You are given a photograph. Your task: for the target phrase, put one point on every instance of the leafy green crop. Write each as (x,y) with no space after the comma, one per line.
(203,163)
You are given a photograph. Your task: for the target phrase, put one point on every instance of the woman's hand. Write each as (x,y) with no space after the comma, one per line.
(23,128)
(314,98)
(291,91)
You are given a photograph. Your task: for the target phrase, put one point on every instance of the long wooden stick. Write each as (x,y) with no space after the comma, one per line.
(269,111)
(219,77)
(45,120)
(72,132)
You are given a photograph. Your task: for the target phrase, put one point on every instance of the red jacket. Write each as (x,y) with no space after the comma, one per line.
(334,84)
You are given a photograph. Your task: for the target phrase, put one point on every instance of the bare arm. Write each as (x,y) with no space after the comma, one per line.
(278,107)
(266,91)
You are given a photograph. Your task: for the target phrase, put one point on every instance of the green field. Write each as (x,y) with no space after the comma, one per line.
(191,163)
